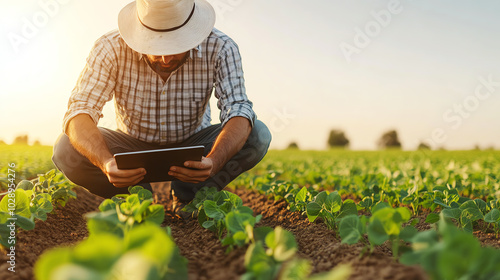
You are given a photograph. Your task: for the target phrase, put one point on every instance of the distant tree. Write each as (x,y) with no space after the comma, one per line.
(423,146)
(293,145)
(389,140)
(2,142)
(21,140)
(37,143)
(477,147)
(337,139)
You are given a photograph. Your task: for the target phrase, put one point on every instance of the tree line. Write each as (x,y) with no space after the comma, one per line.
(388,140)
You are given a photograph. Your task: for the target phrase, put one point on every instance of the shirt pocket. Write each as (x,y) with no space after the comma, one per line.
(196,102)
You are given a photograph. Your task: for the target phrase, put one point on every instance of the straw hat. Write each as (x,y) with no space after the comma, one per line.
(165,27)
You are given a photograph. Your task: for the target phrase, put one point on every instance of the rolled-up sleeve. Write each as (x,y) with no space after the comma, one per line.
(96,83)
(230,85)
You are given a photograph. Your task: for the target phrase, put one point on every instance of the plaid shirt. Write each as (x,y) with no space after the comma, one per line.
(155,111)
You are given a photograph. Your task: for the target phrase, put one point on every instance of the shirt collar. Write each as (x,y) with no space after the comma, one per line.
(192,52)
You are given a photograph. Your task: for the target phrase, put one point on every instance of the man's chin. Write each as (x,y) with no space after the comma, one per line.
(165,68)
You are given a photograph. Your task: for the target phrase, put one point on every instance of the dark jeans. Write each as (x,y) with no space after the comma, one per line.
(81,171)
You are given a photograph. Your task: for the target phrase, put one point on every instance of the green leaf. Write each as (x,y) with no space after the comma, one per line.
(407,233)
(24,223)
(138,211)
(134,265)
(212,210)
(133,200)
(208,224)
(5,227)
(106,205)
(135,189)
(22,203)
(98,252)
(244,210)
(301,195)
(379,206)
(333,202)
(470,204)
(348,208)
(234,221)
(471,214)
(146,239)
(481,204)
(453,213)
(240,238)
(144,195)
(260,233)
(50,261)
(42,201)
(41,205)
(104,222)
(296,269)
(320,198)
(460,251)
(376,232)
(367,202)
(350,229)
(25,185)
(61,195)
(313,210)
(282,244)
(258,264)
(155,214)
(432,218)
(439,201)
(493,216)
(404,213)
(228,241)
(234,200)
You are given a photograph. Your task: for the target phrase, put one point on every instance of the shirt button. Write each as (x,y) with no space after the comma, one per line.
(163,92)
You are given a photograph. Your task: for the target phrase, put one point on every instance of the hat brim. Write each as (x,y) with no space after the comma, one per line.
(146,41)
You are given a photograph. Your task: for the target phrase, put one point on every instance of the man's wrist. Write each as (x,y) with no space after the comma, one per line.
(105,163)
(216,165)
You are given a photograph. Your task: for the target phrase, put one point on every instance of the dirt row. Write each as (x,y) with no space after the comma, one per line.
(207,258)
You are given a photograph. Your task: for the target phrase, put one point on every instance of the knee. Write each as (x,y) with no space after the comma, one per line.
(260,138)
(64,156)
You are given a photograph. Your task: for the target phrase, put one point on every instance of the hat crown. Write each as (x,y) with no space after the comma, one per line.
(164,14)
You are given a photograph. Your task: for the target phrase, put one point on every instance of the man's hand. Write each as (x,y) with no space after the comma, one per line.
(193,171)
(230,140)
(88,140)
(121,178)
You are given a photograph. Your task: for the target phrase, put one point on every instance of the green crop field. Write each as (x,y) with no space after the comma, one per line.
(29,161)
(473,173)
(425,207)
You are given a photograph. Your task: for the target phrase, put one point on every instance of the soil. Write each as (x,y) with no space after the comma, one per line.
(206,257)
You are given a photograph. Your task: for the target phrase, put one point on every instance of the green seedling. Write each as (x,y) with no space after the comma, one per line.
(146,252)
(493,218)
(467,213)
(120,215)
(450,253)
(330,208)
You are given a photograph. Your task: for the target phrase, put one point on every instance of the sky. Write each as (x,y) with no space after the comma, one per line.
(429,69)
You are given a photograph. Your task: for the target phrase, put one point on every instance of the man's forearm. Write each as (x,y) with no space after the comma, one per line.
(231,139)
(88,140)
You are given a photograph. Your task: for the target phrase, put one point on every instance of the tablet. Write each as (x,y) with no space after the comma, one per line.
(158,162)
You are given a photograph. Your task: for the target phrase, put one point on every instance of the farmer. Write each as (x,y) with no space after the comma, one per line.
(161,66)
